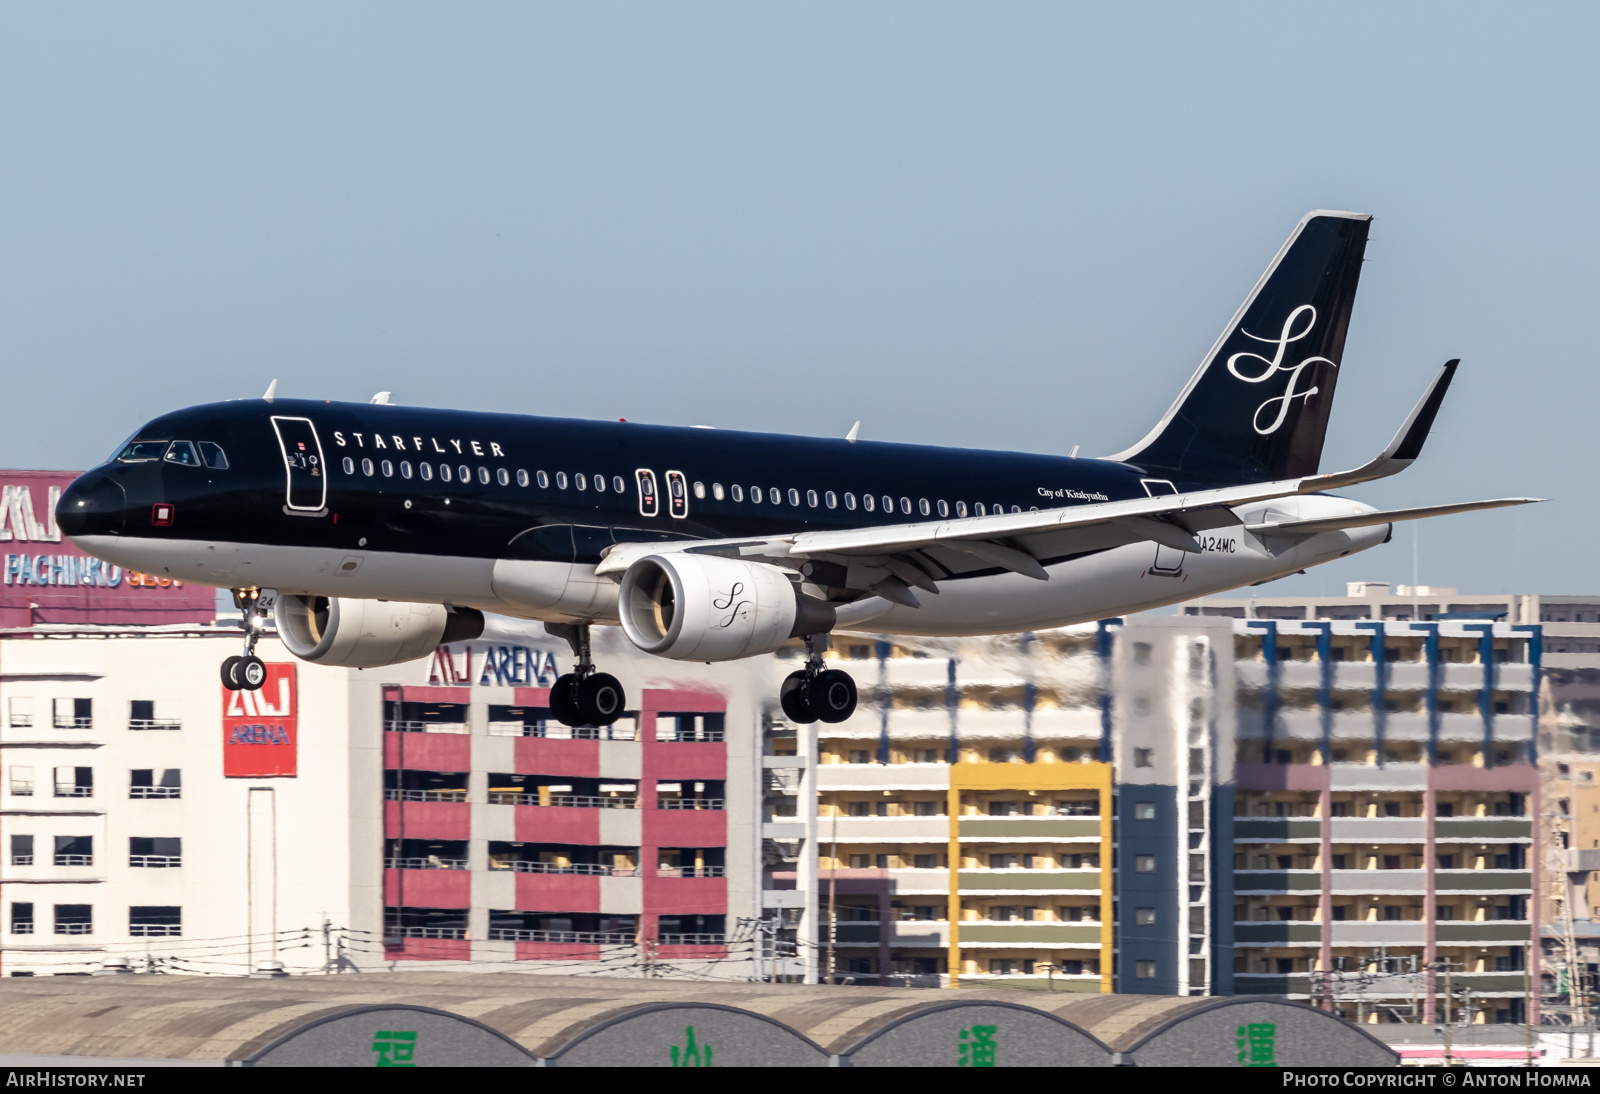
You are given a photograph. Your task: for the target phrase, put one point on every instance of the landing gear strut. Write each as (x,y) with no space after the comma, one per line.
(815,693)
(247,672)
(584,697)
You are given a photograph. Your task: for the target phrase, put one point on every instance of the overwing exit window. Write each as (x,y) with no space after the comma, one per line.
(677,494)
(648,505)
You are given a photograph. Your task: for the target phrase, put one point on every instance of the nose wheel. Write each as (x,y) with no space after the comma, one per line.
(247,672)
(815,694)
(584,697)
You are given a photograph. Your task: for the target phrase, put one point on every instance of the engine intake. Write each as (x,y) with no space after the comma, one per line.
(365,634)
(707,608)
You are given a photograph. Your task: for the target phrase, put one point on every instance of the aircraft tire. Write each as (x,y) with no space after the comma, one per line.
(252,673)
(792,697)
(230,672)
(600,699)
(832,695)
(562,706)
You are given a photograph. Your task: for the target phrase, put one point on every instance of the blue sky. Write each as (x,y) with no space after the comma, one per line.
(1011,226)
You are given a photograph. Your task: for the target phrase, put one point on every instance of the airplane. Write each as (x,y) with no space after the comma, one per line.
(373,533)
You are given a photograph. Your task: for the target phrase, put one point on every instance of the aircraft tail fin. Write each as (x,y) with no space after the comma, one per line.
(1257,408)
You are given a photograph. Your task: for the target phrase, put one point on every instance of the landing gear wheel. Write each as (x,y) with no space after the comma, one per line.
(230,672)
(563,707)
(251,673)
(600,699)
(792,696)
(832,695)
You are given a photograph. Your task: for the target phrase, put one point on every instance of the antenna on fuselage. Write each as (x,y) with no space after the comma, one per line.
(855,431)
(382,398)
(272,389)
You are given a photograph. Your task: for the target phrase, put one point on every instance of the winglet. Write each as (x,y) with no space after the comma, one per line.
(382,398)
(855,431)
(272,389)
(1406,446)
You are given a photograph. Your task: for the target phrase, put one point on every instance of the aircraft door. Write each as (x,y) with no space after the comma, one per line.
(303,464)
(1169,560)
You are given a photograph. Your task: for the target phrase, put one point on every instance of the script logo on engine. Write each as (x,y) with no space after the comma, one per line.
(729,602)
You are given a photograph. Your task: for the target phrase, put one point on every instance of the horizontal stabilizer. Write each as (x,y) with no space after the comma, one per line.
(1367,520)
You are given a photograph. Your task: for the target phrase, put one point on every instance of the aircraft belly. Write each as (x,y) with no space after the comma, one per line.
(554,590)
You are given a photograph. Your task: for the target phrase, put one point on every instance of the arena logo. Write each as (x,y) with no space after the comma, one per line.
(17,519)
(259,727)
(497,666)
(259,734)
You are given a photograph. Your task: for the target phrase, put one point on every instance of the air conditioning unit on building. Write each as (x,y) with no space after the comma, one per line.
(1582,859)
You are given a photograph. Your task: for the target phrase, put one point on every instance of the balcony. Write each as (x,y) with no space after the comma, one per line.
(1276,881)
(401,725)
(156,862)
(155,792)
(154,723)
(690,871)
(1348,882)
(74,791)
(155,930)
(571,938)
(425,932)
(1043,828)
(1276,829)
(429,862)
(592,869)
(1370,830)
(1390,932)
(886,829)
(1018,880)
(691,803)
(1008,933)
(562,801)
(1276,932)
(74,860)
(73,723)
(22,860)
(1483,880)
(1481,829)
(692,940)
(1483,933)
(74,927)
(455,796)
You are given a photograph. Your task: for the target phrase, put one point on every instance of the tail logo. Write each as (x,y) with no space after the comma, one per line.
(1292,332)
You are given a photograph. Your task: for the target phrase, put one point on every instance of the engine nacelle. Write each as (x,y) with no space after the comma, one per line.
(365,634)
(708,608)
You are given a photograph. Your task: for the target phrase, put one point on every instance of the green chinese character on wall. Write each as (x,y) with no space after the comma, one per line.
(690,1054)
(977,1047)
(395,1048)
(1255,1044)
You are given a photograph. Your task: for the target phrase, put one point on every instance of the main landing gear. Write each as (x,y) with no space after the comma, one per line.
(584,697)
(817,694)
(247,672)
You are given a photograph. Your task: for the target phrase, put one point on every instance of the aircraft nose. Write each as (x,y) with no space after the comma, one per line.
(94,505)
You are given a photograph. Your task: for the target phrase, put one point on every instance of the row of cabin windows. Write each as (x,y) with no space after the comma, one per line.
(678,504)
(144,920)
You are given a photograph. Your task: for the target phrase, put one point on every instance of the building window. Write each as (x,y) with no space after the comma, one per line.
(1144,864)
(1141,653)
(74,851)
(73,713)
(74,782)
(22,918)
(21,850)
(1143,757)
(1144,970)
(22,781)
(74,919)
(860,756)
(21,711)
(1145,917)
(142,783)
(155,852)
(1144,810)
(155,921)
(149,714)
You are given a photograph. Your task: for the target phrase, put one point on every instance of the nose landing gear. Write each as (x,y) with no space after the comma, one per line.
(817,694)
(248,672)
(584,697)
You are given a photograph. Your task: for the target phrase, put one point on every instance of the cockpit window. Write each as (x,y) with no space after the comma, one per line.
(214,457)
(142,451)
(182,452)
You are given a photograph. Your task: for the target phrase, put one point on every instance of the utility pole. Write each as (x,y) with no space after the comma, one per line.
(1449,996)
(833,875)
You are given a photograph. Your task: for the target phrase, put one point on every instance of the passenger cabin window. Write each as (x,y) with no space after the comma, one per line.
(794,496)
(349,465)
(599,484)
(677,495)
(738,492)
(213,456)
(580,481)
(648,505)
(700,491)
(619,484)
(543,480)
(502,476)
(924,508)
(868,503)
(405,469)
(561,480)
(755,494)
(444,473)
(142,451)
(426,471)
(183,453)
(777,496)
(831,499)
(716,490)
(522,477)
(387,468)
(961,508)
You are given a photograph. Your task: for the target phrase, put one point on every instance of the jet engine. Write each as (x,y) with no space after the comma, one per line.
(707,608)
(365,634)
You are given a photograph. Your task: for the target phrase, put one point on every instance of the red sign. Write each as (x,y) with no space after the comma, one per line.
(258,727)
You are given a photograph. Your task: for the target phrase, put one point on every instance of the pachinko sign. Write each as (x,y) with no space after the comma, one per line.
(258,727)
